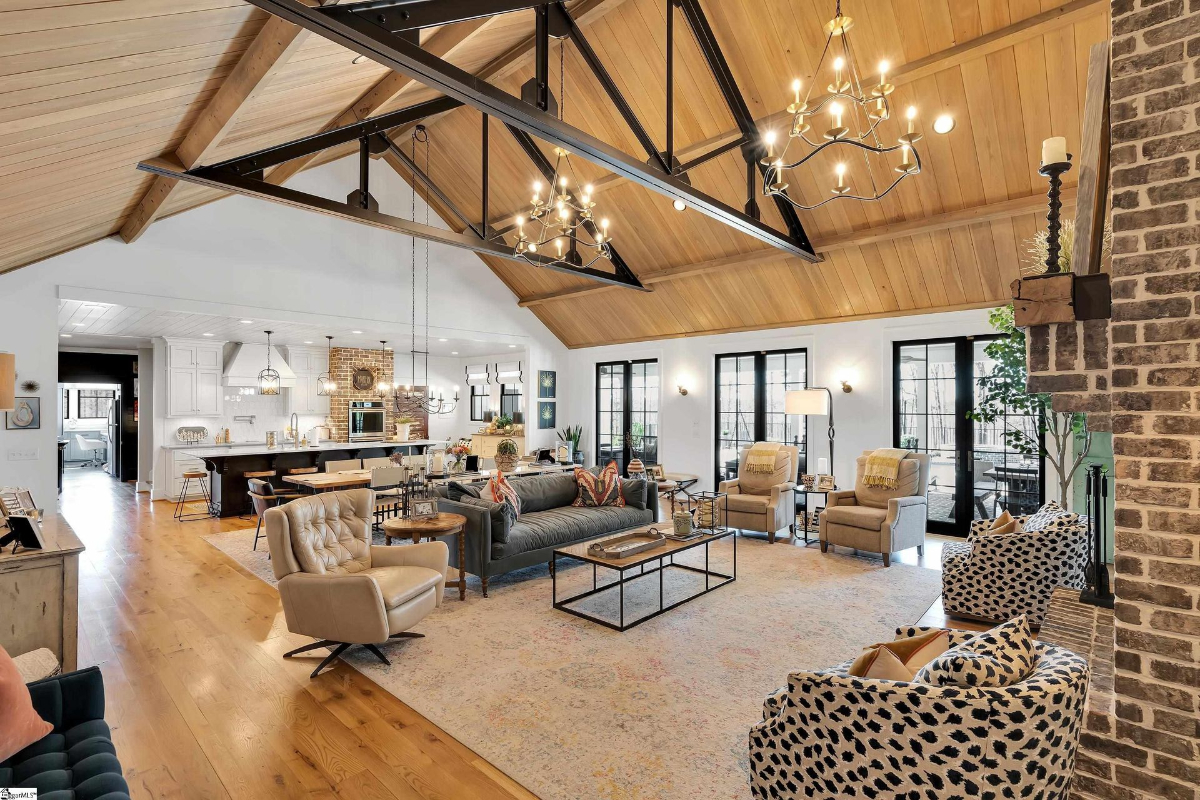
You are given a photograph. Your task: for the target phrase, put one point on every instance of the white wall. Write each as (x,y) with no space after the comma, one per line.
(244,257)
(858,351)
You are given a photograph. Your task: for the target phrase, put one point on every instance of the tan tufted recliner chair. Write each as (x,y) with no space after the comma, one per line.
(339,588)
(764,502)
(880,520)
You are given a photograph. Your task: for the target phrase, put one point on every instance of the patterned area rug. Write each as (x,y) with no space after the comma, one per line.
(573,710)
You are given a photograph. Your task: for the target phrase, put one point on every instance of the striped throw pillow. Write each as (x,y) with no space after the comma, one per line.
(599,489)
(500,490)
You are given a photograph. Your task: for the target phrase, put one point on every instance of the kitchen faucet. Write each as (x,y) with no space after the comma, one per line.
(294,424)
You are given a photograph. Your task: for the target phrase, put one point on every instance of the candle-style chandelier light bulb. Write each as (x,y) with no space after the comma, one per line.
(857,109)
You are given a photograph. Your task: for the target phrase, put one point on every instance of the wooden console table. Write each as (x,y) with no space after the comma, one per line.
(39,592)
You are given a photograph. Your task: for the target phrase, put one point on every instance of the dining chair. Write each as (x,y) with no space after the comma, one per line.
(376,463)
(263,496)
(387,483)
(343,466)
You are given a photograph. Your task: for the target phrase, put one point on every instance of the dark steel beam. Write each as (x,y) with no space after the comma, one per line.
(544,166)
(611,89)
(486,177)
(366,37)
(409,15)
(430,186)
(239,184)
(271,156)
(704,158)
(754,150)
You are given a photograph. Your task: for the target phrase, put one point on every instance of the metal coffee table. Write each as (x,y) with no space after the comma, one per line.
(659,560)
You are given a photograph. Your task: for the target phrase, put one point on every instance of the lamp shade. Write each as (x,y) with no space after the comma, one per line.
(806,401)
(8,382)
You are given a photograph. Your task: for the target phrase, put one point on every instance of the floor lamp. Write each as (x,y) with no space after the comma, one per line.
(812,402)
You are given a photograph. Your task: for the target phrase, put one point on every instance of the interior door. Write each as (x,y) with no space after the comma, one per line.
(751,392)
(627,397)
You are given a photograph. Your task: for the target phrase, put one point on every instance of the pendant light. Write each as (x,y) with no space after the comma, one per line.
(325,383)
(383,388)
(268,379)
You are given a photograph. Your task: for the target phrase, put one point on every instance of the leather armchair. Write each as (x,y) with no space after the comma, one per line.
(339,588)
(764,502)
(880,520)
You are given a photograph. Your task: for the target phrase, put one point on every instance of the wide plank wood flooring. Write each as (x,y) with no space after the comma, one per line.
(200,701)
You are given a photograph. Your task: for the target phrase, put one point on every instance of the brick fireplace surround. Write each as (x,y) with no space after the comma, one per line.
(1140,375)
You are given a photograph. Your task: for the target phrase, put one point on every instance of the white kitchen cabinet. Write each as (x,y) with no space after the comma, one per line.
(194,378)
(308,364)
(181,463)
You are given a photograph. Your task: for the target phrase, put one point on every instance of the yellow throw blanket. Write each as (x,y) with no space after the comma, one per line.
(761,457)
(883,467)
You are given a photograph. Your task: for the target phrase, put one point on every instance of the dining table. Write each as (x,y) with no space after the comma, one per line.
(328,481)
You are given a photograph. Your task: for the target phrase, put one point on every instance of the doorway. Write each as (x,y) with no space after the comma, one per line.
(98,414)
(974,472)
(751,392)
(627,395)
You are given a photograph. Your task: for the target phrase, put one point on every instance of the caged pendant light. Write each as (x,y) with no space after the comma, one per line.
(268,379)
(326,385)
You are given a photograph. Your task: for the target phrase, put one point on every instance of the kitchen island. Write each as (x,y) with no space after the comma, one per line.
(227,465)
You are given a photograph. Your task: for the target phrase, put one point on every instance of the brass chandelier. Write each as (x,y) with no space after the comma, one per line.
(562,221)
(855,116)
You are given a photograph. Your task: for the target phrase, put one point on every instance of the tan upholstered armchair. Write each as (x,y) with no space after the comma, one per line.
(764,502)
(339,588)
(880,520)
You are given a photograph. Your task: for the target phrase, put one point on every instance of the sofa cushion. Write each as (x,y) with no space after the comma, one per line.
(865,517)
(558,526)
(398,585)
(540,492)
(634,492)
(21,726)
(456,491)
(761,483)
(748,503)
(877,496)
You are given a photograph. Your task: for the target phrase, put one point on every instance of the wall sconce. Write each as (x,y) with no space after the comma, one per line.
(683,390)
(846,387)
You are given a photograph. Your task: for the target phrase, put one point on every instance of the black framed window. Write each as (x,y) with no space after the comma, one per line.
(751,390)
(95,403)
(510,399)
(479,402)
(627,398)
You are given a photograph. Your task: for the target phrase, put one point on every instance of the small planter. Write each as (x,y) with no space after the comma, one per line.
(403,431)
(507,455)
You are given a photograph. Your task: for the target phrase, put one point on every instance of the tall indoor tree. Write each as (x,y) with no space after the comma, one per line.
(1003,393)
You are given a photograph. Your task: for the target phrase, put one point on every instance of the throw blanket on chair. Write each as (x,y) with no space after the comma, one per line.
(761,457)
(883,467)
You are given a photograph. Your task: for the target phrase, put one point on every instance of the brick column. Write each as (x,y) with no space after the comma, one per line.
(1152,746)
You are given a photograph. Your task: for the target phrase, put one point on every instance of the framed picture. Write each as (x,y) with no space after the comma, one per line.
(825,483)
(547,416)
(27,416)
(424,509)
(547,384)
(26,532)
(657,472)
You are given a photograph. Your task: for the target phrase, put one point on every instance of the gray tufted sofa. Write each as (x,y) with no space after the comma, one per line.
(548,520)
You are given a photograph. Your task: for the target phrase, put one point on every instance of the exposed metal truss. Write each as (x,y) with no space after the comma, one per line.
(378,29)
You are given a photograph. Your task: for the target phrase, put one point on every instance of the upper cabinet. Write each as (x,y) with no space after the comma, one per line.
(308,364)
(194,378)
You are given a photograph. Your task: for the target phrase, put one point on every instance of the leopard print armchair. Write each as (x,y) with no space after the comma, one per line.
(832,735)
(997,577)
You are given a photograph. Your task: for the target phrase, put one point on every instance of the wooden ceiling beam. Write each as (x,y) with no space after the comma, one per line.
(269,51)
(953,219)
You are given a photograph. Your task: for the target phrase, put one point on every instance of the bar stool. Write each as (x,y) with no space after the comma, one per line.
(202,479)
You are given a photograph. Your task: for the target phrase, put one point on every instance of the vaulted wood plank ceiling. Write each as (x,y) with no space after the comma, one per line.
(88,90)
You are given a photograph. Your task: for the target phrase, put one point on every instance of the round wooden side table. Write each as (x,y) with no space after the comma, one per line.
(442,525)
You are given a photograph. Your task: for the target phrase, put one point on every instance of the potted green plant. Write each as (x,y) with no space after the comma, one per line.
(403,427)
(503,422)
(572,435)
(506,455)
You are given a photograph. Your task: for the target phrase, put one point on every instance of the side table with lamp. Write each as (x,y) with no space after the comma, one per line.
(817,402)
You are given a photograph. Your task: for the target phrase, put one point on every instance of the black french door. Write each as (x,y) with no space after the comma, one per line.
(751,391)
(974,473)
(627,395)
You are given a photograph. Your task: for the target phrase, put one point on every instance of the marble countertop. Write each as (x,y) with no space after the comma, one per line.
(247,449)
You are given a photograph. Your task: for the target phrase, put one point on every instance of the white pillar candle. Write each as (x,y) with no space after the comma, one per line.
(1054,150)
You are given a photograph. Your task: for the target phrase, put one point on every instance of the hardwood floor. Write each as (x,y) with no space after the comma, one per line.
(200,701)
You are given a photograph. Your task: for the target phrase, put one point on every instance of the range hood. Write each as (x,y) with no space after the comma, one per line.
(248,360)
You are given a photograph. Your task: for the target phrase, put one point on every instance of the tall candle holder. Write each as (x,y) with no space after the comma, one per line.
(1054,223)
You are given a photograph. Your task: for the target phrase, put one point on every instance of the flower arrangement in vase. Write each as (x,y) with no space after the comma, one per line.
(459,451)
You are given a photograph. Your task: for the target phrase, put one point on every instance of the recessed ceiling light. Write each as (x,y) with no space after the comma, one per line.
(78,324)
(64,336)
(356,331)
(441,340)
(307,342)
(247,322)
(387,348)
(943,124)
(453,352)
(206,334)
(679,205)
(512,345)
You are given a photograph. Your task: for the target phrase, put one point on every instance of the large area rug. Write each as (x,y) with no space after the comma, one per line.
(573,710)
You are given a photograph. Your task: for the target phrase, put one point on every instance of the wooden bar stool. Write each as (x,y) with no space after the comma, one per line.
(202,479)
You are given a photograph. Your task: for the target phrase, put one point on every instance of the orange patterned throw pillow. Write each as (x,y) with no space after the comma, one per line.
(499,490)
(603,489)
(20,725)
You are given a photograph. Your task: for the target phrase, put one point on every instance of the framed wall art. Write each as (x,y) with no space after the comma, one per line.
(547,384)
(547,416)
(26,416)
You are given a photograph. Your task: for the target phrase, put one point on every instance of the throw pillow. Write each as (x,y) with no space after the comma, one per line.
(1001,656)
(1050,517)
(1002,524)
(879,663)
(456,491)
(596,490)
(500,514)
(499,490)
(900,659)
(20,725)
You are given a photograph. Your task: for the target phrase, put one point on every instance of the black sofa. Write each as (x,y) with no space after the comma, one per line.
(77,760)
(548,520)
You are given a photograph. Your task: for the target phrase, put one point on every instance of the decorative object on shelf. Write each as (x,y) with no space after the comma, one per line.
(191,434)
(412,393)
(628,544)
(268,379)
(809,480)
(503,422)
(711,513)
(560,224)
(1038,249)
(30,386)
(547,384)
(547,415)
(271,440)
(571,436)
(817,401)
(326,385)
(459,451)
(424,509)
(26,414)
(635,467)
(362,379)
(236,397)
(8,381)
(404,427)
(1055,161)
(856,114)
(682,521)
(506,455)
(825,483)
